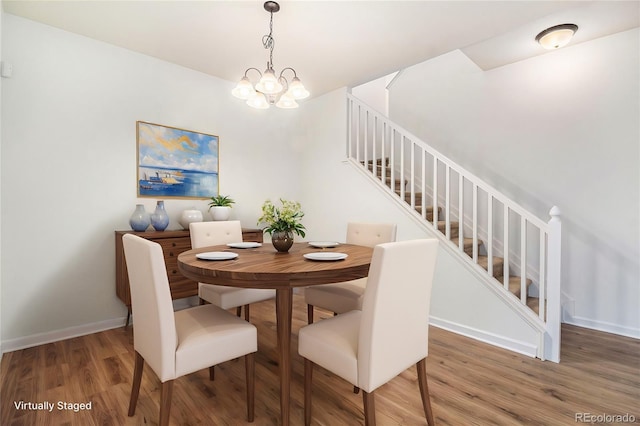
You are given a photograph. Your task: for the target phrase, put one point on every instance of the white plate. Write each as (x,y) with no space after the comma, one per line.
(325,255)
(323,244)
(244,245)
(217,255)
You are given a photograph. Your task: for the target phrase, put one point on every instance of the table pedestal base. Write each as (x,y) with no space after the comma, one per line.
(284,308)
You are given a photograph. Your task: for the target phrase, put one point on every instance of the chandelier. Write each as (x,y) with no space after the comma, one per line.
(270,89)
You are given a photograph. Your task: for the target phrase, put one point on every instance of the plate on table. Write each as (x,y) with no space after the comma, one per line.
(244,245)
(217,255)
(326,256)
(323,244)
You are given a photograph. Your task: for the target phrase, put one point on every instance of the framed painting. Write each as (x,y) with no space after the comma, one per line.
(176,163)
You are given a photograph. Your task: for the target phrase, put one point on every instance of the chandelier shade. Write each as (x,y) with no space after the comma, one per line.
(244,89)
(258,100)
(297,90)
(269,83)
(287,101)
(271,88)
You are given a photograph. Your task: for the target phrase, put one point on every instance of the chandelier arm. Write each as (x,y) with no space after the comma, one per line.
(284,82)
(288,68)
(252,68)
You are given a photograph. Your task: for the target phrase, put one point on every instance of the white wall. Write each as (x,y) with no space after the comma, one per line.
(559,129)
(1,18)
(374,93)
(335,193)
(68,168)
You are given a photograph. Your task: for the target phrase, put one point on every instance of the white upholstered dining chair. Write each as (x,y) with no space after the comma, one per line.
(347,296)
(175,344)
(371,346)
(205,234)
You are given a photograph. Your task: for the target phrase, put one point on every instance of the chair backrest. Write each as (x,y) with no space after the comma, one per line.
(370,234)
(154,328)
(214,233)
(394,328)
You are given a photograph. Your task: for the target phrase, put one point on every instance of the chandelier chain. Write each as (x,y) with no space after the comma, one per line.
(268,41)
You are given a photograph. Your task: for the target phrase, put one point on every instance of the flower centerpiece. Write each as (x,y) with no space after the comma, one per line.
(282,223)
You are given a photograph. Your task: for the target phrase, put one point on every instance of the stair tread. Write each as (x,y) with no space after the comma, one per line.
(534,304)
(514,283)
(483,261)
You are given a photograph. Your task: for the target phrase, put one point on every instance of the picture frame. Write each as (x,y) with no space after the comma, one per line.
(176,163)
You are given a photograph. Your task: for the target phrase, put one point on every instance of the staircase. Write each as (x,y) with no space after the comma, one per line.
(516,254)
(514,281)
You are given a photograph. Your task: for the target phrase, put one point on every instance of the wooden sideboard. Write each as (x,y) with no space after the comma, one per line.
(173,243)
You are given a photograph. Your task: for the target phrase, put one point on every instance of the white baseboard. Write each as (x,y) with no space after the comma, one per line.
(81,330)
(520,347)
(606,327)
(54,336)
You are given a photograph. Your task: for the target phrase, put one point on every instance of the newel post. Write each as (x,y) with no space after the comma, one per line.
(554,288)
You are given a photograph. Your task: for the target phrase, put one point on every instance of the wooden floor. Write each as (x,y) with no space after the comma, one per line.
(471,383)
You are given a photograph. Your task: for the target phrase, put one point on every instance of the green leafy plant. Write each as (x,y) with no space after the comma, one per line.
(221,201)
(282,219)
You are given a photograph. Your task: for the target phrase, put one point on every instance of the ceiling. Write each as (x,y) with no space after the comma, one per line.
(330,44)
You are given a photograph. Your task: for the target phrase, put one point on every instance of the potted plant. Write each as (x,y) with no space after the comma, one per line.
(220,207)
(282,223)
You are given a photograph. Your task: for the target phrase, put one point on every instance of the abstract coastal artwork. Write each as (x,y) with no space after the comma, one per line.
(176,163)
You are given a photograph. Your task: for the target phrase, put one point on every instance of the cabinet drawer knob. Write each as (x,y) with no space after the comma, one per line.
(171,254)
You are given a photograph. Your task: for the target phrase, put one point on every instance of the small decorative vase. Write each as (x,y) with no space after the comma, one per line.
(160,218)
(220,212)
(139,220)
(189,216)
(282,240)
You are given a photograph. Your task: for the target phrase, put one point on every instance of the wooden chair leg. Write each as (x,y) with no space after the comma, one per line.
(239,311)
(126,324)
(135,387)
(309,314)
(246,313)
(369,408)
(308,375)
(250,367)
(424,391)
(166,391)
(212,373)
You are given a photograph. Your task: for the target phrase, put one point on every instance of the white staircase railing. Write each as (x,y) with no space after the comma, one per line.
(499,237)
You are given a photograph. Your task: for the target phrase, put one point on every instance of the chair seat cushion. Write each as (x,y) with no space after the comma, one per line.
(232,297)
(208,335)
(339,297)
(333,344)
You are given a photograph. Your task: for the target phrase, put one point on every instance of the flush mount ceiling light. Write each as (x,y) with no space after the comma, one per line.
(557,36)
(270,89)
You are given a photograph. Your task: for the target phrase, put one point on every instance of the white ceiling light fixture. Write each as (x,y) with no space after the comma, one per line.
(270,89)
(556,36)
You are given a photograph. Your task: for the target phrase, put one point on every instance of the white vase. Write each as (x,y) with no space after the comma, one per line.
(189,216)
(220,212)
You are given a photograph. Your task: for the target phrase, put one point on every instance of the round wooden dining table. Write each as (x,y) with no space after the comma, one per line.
(264,267)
